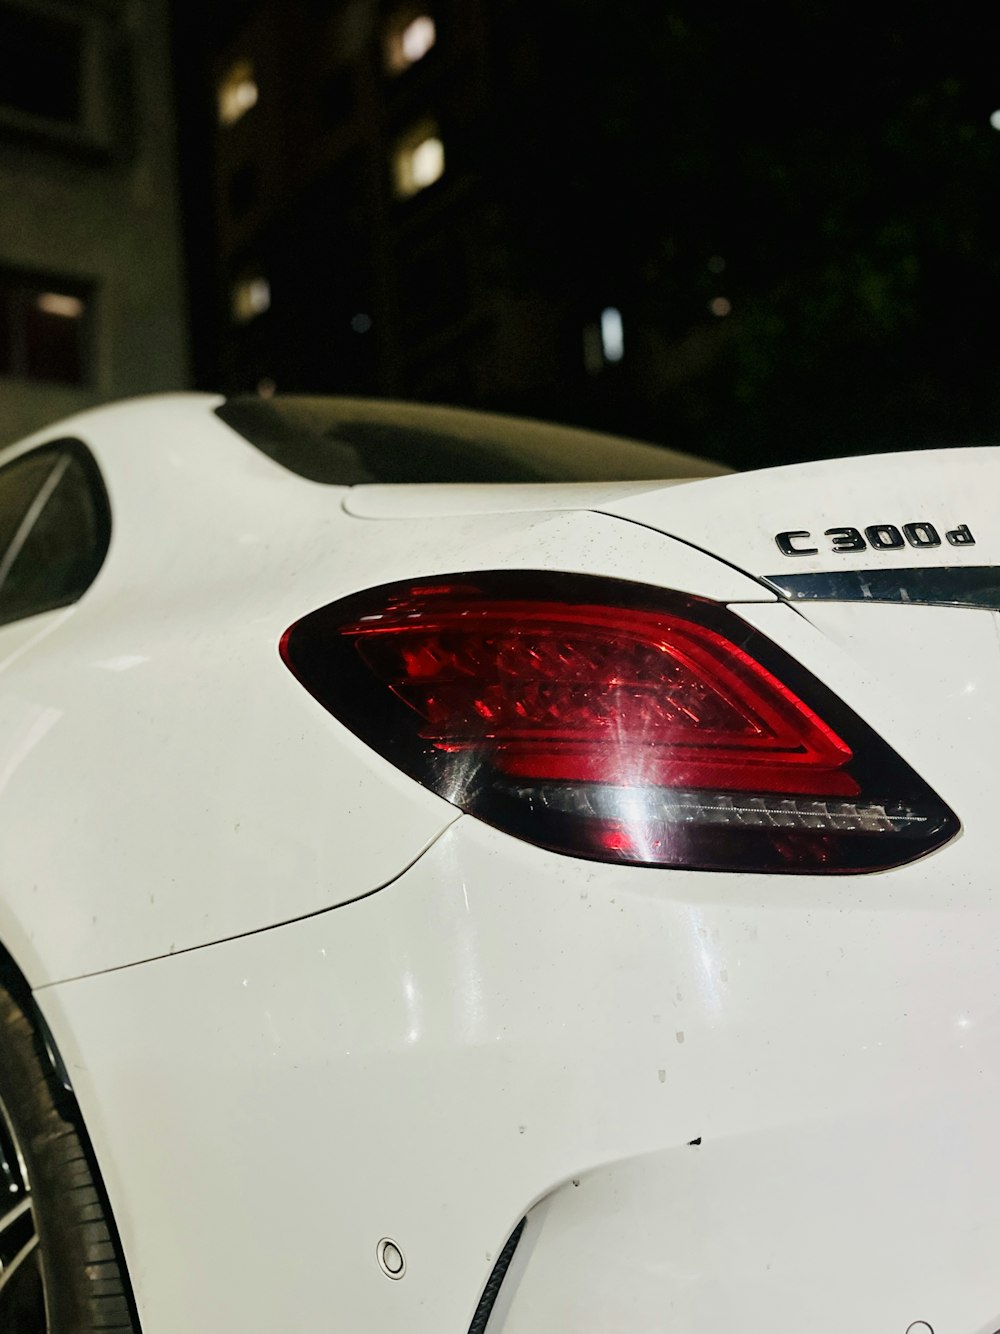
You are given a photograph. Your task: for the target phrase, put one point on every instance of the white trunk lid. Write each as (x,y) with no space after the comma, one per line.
(933,510)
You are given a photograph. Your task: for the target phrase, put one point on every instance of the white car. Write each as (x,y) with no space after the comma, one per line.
(466,876)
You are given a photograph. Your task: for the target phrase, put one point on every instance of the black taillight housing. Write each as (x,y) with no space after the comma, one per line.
(615,721)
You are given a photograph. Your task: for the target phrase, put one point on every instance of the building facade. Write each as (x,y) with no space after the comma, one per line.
(379,178)
(92,302)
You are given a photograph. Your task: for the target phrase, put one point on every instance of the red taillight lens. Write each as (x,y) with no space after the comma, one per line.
(596,694)
(616,722)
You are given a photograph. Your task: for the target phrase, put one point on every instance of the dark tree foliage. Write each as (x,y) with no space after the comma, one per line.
(830,171)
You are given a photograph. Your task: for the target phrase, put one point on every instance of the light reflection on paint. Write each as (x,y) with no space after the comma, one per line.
(26,743)
(709,962)
(470,1006)
(413,1003)
(123,662)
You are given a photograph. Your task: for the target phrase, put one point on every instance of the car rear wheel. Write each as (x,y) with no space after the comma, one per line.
(59,1272)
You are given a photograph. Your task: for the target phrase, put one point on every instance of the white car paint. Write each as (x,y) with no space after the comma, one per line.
(737,517)
(501,1023)
(156,672)
(719,1099)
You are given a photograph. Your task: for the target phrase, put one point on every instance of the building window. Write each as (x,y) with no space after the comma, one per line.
(41,69)
(56,61)
(612,334)
(237,93)
(251,297)
(409,36)
(604,342)
(418,160)
(43,328)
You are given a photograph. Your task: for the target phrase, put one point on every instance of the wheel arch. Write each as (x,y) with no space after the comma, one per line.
(14,981)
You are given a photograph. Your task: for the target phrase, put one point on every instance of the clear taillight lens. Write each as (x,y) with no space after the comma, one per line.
(616,722)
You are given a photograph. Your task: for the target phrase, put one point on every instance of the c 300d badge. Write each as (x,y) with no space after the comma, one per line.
(877,536)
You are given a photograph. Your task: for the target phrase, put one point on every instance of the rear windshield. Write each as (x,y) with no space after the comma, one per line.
(348,441)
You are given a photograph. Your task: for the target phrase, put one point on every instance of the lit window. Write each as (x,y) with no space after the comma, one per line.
(418,160)
(612,334)
(58,303)
(237,93)
(408,39)
(251,297)
(604,341)
(43,328)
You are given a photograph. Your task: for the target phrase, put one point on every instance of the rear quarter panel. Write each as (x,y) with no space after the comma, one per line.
(166,782)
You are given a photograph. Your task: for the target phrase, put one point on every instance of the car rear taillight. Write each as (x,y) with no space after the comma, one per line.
(616,722)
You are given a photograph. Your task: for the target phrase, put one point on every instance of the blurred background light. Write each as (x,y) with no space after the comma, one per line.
(251,297)
(612,334)
(58,303)
(419,160)
(237,93)
(408,39)
(418,38)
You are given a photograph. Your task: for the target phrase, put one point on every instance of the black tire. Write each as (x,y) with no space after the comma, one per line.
(57,1249)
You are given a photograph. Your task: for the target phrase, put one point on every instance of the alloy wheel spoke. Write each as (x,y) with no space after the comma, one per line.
(22,1300)
(9,1270)
(10,1218)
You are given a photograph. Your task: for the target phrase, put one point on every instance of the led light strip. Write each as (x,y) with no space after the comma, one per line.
(605,802)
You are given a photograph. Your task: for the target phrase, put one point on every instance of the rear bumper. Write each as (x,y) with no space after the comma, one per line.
(869,1224)
(459,1050)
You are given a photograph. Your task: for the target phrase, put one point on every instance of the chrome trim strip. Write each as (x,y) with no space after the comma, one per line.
(941,586)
